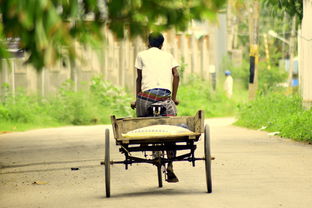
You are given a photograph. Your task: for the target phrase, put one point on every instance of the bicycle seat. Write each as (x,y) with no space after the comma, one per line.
(156,109)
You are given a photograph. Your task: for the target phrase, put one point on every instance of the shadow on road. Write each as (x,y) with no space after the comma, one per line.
(156,192)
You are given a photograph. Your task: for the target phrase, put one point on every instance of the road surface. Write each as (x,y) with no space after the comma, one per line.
(250,170)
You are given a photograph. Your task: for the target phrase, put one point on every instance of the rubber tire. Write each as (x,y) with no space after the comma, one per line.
(107,164)
(208,158)
(159,174)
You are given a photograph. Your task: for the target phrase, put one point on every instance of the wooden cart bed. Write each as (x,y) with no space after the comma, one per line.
(123,125)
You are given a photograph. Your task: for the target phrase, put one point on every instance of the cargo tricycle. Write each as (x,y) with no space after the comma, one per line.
(155,143)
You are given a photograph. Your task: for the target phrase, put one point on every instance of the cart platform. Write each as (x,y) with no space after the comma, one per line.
(122,126)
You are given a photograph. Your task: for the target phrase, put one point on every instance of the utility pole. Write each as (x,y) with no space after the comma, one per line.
(284,35)
(267,52)
(254,10)
(292,43)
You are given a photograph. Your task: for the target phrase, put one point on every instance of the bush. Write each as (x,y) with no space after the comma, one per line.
(278,112)
(270,80)
(68,106)
(197,94)
(20,108)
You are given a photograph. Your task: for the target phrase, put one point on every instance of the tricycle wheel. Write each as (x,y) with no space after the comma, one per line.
(208,159)
(107,164)
(159,173)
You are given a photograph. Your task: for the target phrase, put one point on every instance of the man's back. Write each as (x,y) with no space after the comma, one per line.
(156,66)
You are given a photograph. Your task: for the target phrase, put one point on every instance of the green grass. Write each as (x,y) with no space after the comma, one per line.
(278,113)
(8,126)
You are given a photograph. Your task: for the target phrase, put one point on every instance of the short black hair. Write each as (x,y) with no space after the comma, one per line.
(155,39)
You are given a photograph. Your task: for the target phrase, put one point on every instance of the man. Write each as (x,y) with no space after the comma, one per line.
(157,82)
(228,84)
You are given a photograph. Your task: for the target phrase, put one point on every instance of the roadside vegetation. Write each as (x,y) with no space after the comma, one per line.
(278,113)
(68,107)
(98,101)
(273,110)
(276,109)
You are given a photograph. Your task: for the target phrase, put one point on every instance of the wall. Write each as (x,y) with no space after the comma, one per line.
(113,60)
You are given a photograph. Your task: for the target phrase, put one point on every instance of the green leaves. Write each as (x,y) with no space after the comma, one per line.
(47,27)
(291,7)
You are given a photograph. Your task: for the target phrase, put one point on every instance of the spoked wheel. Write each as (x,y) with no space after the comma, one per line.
(107,164)
(159,173)
(208,159)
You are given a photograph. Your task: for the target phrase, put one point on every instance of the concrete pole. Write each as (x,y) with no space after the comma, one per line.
(73,74)
(183,46)
(202,56)
(284,35)
(135,53)
(193,50)
(121,77)
(12,63)
(267,53)
(292,43)
(5,75)
(73,71)
(42,85)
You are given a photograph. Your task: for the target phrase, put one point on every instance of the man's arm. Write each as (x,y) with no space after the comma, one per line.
(175,84)
(139,81)
(138,86)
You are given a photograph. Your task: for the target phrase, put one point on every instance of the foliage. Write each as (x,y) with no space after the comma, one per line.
(272,17)
(196,94)
(48,29)
(270,80)
(291,7)
(277,112)
(68,106)
(94,106)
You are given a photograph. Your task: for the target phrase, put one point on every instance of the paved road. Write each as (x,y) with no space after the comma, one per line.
(250,170)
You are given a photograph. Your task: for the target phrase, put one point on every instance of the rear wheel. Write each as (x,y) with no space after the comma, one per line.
(208,159)
(107,164)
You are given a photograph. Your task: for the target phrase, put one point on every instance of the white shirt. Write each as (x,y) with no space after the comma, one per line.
(156,66)
(228,86)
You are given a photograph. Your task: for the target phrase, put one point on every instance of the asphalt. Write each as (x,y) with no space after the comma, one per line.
(60,167)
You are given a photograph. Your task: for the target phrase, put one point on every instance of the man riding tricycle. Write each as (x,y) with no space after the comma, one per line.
(157,128)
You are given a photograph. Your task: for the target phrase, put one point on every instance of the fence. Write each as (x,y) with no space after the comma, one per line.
(113,60)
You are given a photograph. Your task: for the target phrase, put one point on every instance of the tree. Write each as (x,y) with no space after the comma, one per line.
(294,8)
(48,29)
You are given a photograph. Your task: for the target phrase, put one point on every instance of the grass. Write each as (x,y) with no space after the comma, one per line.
(278,113)
(8,126)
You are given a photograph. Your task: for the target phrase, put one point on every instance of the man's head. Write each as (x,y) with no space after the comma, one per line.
(155,39)
(227,73)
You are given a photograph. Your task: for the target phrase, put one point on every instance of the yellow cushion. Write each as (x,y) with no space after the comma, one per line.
(157,131)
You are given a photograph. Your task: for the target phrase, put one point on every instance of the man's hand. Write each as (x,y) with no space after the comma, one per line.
(133,105)
(176,102)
